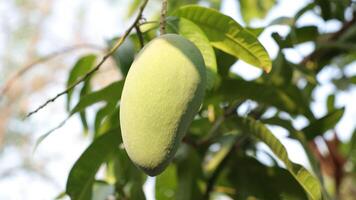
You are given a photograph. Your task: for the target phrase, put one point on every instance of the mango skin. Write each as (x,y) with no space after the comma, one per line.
(163,91)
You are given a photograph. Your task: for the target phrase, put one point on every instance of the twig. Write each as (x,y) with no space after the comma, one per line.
(8,84)
(97,67)
(163,17)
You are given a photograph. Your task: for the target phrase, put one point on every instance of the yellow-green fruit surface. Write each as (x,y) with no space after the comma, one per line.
(162,93)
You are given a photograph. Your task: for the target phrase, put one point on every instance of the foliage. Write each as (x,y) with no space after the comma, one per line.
(218,154)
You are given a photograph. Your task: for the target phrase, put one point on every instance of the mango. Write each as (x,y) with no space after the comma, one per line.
(162,93)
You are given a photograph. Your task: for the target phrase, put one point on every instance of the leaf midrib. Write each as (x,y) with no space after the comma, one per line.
(229,36)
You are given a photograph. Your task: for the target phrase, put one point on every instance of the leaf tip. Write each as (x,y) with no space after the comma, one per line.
(267,69)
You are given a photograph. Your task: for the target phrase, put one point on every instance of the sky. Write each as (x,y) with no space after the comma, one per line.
(103,21)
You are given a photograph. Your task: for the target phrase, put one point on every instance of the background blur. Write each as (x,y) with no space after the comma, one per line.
(32,29)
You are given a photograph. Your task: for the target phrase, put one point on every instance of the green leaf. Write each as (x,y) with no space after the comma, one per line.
(225,62)
(81,176)
(174,4)
(353,79)
(330,103)
(252,9)
(235,89)
(125,55)
(250,178)
(297,36)
(193,33)
(227,35)
(302,34)
(127,175)
(333,9)
(310,184)
(85,90)
(351,154)
(285,123)
(344,83)
(166,184)
(125,170)
(255,31)
(188,172)
(344,60)
(299,98)
(136,190)
(289,21)
(135,4)
(282,72)
(103,112)
(81,67)
(110,93)
(299,136)
(110,121)
(199,127)
(60,196)
(323,124)
(304,10)
(325,7)
(306,72)
(216,4)
(213,159)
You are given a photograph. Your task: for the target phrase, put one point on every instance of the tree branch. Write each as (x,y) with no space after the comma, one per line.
(163,17)
(97,67)
(8,84)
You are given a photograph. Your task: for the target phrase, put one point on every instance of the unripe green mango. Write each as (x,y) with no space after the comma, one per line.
(162,93)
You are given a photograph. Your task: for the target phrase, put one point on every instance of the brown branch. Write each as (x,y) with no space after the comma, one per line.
(8,84)
(97,67)
(163,17)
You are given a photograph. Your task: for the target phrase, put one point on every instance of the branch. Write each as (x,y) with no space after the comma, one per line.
(97,67)
(163,17)
(8,84)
